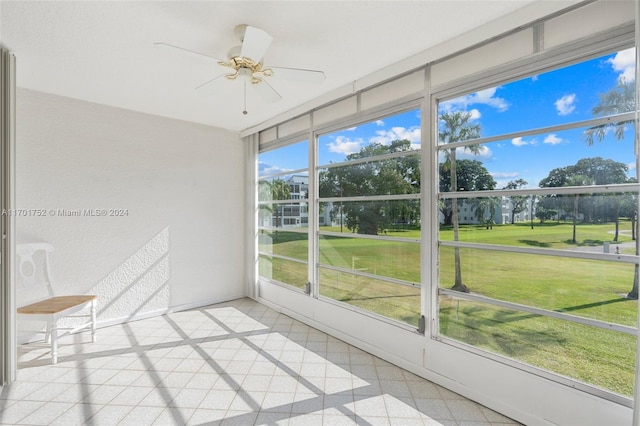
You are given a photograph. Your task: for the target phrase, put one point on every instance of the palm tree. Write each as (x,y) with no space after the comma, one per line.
(280,190)
(622,98)
(485,210)
(456,127)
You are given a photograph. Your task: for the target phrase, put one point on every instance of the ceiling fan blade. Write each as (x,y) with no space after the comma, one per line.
(267,92)
(209,81)
(171,46)
(255,43)
(298,74)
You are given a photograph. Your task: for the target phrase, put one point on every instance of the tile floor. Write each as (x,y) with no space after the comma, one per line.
(233,363)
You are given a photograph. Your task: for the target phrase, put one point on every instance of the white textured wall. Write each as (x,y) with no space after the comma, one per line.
(183,185)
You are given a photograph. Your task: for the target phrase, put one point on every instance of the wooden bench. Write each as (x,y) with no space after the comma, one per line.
(54,308)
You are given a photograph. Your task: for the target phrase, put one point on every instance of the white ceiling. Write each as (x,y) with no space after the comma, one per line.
(104,51)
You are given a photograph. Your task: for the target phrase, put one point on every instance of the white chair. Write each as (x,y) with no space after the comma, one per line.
(51,309)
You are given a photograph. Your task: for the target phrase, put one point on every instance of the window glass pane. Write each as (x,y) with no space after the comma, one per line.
(585,288)
(289,244)
(396,301)
(280,160)
(593,355)
(603,222)
(564,158)
(282,270)
(387,177)
(390,146)
(379,257)
(389,134)
(400,218)
(599,87)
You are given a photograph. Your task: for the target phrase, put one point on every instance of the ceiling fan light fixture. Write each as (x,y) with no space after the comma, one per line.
(246,61)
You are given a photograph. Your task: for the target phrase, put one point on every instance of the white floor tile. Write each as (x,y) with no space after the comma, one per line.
(233,363)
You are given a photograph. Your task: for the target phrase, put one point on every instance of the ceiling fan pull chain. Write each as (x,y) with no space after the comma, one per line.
(245,98)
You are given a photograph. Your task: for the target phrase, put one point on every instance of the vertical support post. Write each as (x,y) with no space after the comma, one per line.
(8,360)
(636,393)
(314,209)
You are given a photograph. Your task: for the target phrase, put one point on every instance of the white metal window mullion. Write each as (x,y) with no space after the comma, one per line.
(636,393)
(314,207)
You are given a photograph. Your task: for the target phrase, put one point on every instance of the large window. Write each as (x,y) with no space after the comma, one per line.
(537,217)
(369,235)
(283,193)
(510,223)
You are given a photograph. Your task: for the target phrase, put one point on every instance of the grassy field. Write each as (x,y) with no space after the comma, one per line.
(593,289)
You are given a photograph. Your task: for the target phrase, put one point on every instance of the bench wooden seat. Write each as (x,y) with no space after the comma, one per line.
(54,308)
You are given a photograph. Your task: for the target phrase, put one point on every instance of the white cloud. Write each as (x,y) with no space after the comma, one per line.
(484,154)
(566,104)
(552,139)
(624,63)
(475,114)
(518,141)
(379,123)
(521,142)
(344,145)
(265,169)
(631,166)
(487,97)
(351,129)
(504,175)
(483,97)
(385,137)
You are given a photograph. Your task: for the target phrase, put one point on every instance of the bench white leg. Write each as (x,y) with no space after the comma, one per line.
(93,321)
(54,342)
(47,332)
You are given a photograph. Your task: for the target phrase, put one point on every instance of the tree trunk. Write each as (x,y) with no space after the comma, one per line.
(575,217)
(615,238)
(532,202)
(633,294)
(448,221)
(458,285)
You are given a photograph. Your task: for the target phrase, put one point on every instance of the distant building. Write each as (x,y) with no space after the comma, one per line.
(468,215)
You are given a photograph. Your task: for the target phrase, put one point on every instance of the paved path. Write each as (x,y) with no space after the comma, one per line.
(612,246)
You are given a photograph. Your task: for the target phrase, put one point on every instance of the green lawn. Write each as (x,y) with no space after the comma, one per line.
(593,289)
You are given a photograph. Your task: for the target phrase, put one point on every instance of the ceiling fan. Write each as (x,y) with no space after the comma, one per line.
(244,62)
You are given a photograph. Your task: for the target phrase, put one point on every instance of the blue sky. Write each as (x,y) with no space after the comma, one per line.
(556,97)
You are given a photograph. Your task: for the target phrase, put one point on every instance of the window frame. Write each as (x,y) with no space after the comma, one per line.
(272,146)
(396,108)
(565,56)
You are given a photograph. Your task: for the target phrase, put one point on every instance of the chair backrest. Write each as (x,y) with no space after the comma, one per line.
(33,265)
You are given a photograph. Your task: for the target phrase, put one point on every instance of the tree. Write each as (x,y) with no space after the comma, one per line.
(545,214)
(485,210)
(471,176)
(280,190)
(587,171)
(621,98)
(457,127)
(400,175)
(518,202)
(576,180)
